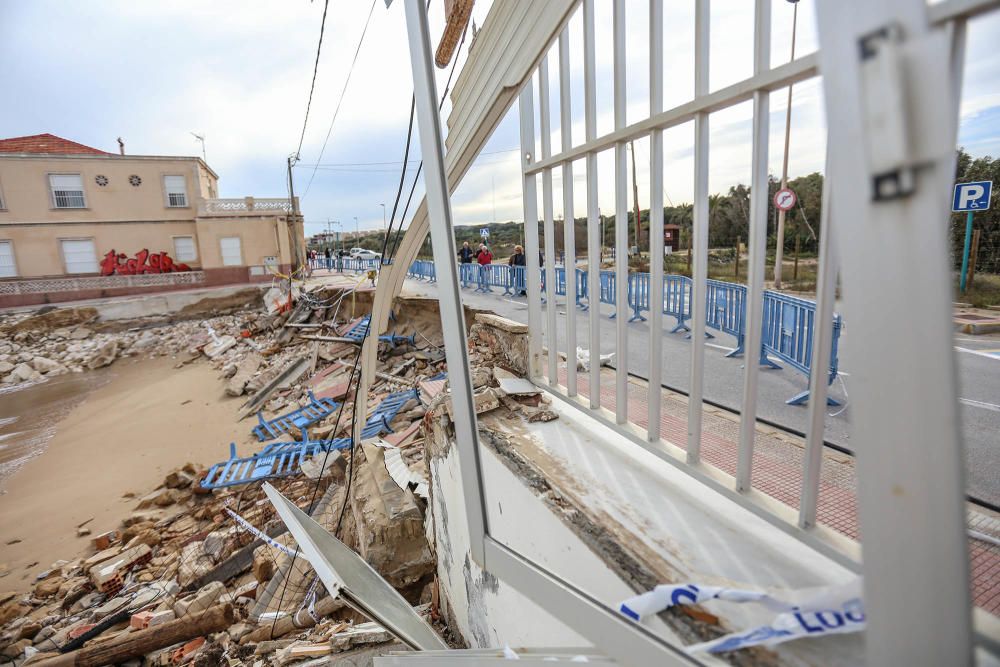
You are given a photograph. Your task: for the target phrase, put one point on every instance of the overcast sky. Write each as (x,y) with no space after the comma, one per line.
(238,72)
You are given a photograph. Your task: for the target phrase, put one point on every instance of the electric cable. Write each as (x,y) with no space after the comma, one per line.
(343,93)
(312,86)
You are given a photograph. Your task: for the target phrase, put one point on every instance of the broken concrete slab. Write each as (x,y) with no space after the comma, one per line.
(219,346)
(244,371)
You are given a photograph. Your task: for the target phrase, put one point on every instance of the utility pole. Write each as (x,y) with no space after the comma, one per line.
(635,199)
(357,230)
(779,250)
(385,226)
(293,220)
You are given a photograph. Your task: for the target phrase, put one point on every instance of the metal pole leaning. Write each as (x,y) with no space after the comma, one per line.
(443,243)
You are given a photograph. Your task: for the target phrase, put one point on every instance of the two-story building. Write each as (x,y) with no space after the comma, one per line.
(77,222)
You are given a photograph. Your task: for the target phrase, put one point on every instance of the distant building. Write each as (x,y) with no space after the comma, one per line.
(77,222)
(671,238)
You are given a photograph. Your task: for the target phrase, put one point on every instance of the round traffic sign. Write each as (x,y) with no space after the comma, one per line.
(784,199)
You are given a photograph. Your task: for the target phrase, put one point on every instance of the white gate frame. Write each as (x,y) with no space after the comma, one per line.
(911,500)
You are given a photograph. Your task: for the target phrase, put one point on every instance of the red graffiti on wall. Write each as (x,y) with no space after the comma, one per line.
(143,262)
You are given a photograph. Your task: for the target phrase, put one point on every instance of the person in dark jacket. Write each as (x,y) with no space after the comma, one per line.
(329,257)
(465,254)
(518,259)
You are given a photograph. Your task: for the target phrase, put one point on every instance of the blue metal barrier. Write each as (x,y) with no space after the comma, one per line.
(608,293)
(677,300)
(789,326)
(484,278)
(561,280)
(581,289)
(638,295)
(517,279)
(725,310)
(468,274)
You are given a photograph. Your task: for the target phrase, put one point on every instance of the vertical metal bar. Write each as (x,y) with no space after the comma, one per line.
(526,103)
(699,233)
(905,415)
(822,345)
(443,245)
(593,212)
(545,113)
(569,218)
(621,222)
(655,221)
(757,240)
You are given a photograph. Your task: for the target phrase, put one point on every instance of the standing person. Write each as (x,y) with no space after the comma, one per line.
(465,254)
(518,261)
(485,258)
(483,255)
(329,256)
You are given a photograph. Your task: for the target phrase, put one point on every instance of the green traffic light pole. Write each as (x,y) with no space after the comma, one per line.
(965,252)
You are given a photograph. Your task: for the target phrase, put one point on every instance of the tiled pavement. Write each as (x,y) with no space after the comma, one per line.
(777,471)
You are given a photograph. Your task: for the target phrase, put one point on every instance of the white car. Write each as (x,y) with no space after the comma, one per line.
(362,253)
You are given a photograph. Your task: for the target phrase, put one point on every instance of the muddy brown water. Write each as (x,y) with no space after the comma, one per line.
(30,412)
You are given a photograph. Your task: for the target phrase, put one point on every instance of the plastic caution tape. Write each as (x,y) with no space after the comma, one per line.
(835,610)
(247,526)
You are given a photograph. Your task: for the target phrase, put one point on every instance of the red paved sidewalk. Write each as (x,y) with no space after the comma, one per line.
(777,471)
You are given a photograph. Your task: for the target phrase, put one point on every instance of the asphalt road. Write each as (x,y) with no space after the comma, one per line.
(979,379)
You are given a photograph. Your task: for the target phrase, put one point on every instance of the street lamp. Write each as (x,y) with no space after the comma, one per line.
(357,230)
(385,226)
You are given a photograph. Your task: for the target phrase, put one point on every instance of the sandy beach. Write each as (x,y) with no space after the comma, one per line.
(122,438)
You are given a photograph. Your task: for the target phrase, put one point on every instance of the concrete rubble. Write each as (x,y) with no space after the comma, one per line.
(179,556)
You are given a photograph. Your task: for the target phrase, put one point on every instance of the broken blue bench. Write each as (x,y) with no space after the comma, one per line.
(279,459)
(358,332)
(301,418)
(386,412)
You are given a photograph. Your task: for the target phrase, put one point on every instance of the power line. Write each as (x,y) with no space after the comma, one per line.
(343,92)
(312,86)
(325,165)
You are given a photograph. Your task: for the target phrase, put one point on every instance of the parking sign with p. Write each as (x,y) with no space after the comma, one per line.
(973,196)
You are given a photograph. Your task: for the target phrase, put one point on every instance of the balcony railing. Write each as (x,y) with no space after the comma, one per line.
(244,206)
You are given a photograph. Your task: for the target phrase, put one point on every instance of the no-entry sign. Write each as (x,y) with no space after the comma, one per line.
(784,199)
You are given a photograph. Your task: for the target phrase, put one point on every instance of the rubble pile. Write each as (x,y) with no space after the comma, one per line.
(184,579)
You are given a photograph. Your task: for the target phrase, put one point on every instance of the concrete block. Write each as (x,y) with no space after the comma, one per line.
(206,597)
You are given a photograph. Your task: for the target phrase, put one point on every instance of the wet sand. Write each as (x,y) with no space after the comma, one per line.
(137,421)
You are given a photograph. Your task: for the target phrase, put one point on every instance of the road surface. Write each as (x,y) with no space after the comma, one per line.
(979,378)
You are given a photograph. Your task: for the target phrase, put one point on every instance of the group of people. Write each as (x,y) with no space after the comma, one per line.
(483,256)
(324,259)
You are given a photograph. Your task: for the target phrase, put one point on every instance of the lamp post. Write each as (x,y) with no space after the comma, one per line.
(357,230)
(780,232)
(385,226)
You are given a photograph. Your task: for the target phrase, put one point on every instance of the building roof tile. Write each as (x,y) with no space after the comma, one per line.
(47,144)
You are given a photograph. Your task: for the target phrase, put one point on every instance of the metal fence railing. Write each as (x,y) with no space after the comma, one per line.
(788,322)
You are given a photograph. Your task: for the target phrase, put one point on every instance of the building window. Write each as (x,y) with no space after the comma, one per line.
(176,191)
(8,267)
(79,255)
(232,252)
(67,191)
(184,249)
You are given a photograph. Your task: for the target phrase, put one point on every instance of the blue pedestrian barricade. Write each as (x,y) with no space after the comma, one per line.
(581,289)
(517,279)
(638,295)
(561,280)
(484,277)
(725,310)
(677,300)
(608,293)
(787,334)
(468,274)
